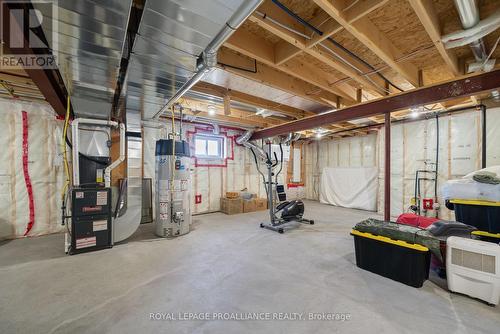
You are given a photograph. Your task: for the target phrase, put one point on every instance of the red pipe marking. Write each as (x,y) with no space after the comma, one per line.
(201,130)
(27,179)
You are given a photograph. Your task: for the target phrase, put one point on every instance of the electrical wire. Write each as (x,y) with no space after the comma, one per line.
(64,149)
(354,67)
(284,26)
(319,32)
(254,70)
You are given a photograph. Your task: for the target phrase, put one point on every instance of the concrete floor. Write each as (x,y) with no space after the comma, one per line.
(226,264)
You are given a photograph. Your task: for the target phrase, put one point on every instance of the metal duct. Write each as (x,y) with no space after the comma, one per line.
(172,35)
(288,139)
(464,37)
(208,58)
(469,16)
(243,140)
(88,49)
(129,217)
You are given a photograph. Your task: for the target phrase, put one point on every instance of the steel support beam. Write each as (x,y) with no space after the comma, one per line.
(48,81)
(387,168)
(465,86)
(483,136)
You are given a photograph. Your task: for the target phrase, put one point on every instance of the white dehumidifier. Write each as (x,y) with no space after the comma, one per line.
(473,268)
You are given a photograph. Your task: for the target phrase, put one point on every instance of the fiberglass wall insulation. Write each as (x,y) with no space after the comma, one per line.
(46,171)
(44,167)
(212,182)
(413,146)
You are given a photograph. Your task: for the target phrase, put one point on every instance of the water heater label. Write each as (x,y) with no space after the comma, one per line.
(79,194)
(164,207)
(102,198)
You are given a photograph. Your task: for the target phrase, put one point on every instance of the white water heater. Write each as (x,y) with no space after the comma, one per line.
(173,188)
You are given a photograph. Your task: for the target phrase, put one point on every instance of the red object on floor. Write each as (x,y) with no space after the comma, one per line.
(415,220)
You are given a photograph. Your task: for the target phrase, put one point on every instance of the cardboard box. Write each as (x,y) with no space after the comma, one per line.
(231,206)
(232,194)
(260,204)
(249,205)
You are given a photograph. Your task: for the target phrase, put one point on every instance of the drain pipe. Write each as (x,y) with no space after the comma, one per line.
(121,158)
(208,58)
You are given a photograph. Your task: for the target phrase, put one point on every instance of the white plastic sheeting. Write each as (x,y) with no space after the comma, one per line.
(44,166)
(346,152)
(354,187)
(413,147)
(493,137)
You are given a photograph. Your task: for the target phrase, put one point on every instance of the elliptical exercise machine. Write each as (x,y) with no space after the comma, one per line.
(291,211)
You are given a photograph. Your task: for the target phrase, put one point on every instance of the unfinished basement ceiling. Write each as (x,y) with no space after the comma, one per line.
(229,80)
(88,48)
(172,34)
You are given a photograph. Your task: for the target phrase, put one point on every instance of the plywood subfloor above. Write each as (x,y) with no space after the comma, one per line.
(305,9)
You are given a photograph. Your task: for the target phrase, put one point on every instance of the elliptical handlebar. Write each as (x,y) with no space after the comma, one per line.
(281,164)
(258,169)
(275,158)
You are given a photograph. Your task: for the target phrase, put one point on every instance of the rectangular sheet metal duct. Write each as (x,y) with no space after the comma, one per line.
(466,86)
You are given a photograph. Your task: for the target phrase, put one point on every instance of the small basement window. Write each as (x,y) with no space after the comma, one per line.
(209,147)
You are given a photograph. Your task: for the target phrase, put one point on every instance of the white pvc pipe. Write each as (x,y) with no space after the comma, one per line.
(121,158)
(75,137)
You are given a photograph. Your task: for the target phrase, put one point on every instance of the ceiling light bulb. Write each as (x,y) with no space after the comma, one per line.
(211,110)
(319,135)
(414,114)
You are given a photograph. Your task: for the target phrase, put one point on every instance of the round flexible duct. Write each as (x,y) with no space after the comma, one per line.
(243,140)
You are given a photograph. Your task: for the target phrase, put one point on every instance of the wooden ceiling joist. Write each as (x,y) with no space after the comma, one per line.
(201,108)
(275,78)
(369,35)
(301,44)
(214,90)
(250,45)
(428,16)
(329,27)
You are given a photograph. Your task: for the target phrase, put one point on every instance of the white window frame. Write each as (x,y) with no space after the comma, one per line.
(221,144)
